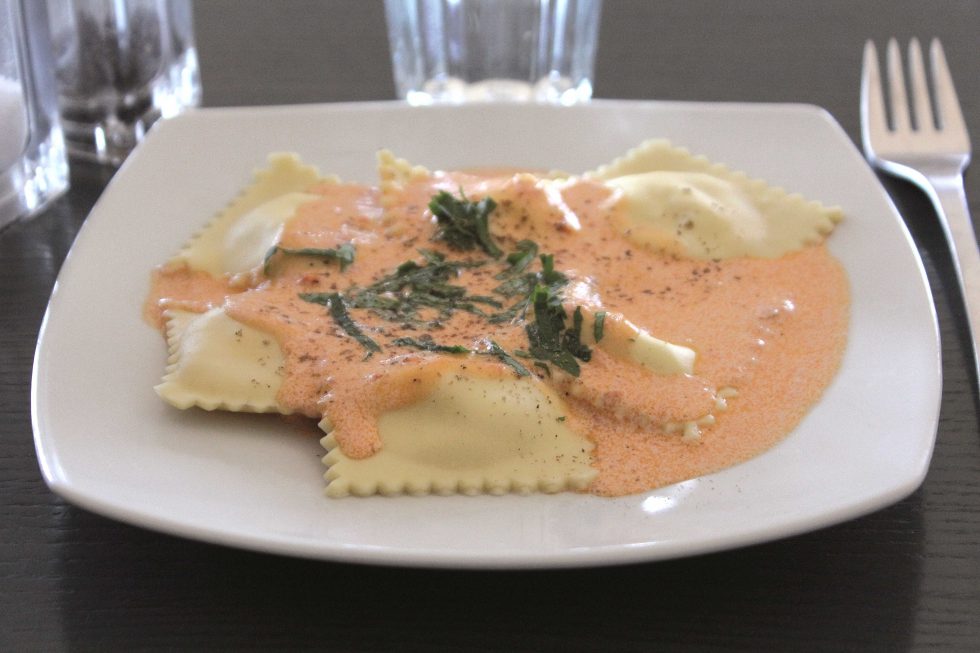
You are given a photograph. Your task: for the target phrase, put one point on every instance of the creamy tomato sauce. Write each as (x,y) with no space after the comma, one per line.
(774,330)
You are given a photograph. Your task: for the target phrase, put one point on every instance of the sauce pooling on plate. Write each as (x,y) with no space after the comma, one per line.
(501,330)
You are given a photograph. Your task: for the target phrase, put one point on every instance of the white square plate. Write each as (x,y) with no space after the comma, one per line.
(106,442)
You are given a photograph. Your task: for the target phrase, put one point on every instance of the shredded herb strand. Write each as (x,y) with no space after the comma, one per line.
(550,341)
(526,252)
(572,338)
(523,285)
(498,351)
(464,225)
(338,311)
(425,343)
(344,254)
(545,333)
(598,326)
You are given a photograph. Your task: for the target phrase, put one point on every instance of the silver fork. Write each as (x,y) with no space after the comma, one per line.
(931,151)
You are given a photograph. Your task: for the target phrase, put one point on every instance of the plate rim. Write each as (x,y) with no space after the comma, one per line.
(58,482)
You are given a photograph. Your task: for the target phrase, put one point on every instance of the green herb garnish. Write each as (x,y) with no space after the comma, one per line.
(549,275)
(523,286)
(498,351)
(518,260)
(598,325)
(338,311)
(545,333)
(343,255)
(399,296)
(550,341)
(414,291)
(464,225)
(571,340)
(426,343)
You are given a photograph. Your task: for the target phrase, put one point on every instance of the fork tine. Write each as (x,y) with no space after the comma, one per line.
(896,86)
(947,105)
(920,89)
(872,102)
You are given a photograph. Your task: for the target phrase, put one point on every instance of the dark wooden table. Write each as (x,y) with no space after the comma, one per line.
(904,578)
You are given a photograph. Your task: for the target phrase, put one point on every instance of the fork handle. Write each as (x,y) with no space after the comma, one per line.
(949,199)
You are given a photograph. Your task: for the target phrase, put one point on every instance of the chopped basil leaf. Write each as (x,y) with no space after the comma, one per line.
(338,311)
(464,225)
(498,351)
(526,251)
(426,343)
(413,287)
(572,338)
(523,286)
(549,275)
(401,295)
(598,325)
(549,340)
(344,254)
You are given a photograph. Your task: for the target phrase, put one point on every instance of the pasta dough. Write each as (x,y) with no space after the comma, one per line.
(235,241)
(219,363)
(687,206)
(470,435)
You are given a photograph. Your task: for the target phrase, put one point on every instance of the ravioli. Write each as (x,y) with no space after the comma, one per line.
(217,362)
(469,435)
(235,242)
(605,332)
(687,206)
(394,174)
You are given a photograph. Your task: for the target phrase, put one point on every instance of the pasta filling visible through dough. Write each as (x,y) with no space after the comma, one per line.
(471,435)
(687,206)
(217,362)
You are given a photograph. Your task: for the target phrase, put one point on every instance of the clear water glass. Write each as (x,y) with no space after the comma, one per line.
(451,51)
(121,66)
(33,167)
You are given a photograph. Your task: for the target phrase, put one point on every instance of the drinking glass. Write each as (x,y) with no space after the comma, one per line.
(33,167)
(493,50)
(121,66)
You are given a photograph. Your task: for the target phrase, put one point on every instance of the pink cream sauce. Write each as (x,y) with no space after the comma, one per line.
(773,329)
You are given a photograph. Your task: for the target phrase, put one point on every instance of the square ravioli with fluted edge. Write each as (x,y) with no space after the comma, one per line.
(497,330)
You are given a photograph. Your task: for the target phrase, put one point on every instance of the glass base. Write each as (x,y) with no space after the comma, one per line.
(108,141)
(34,181)
(105,129)
(452,90)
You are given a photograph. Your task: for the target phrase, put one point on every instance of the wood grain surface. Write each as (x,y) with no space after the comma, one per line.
(904,578)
